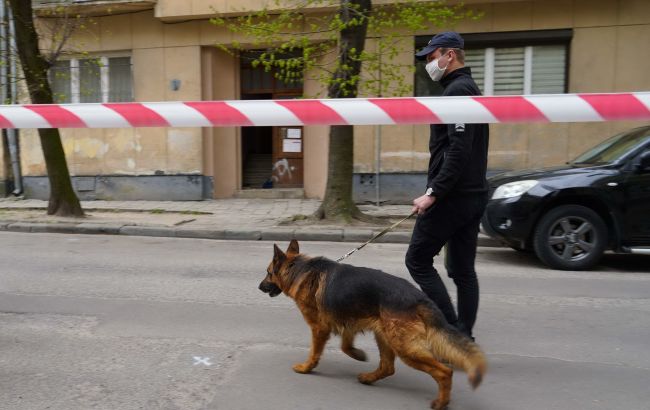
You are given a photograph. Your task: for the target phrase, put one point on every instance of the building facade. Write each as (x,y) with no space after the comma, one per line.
(165,51)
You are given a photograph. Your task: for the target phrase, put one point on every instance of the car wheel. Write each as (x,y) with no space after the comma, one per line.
(570,237)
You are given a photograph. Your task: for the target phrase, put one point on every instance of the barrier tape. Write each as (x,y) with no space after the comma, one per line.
(358,111)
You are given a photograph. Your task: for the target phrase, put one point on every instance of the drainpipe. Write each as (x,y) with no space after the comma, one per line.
(3,58)
(12,134)
(378,146)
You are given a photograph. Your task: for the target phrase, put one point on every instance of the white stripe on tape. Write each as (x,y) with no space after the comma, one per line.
(178,114)
(565,108)
(359,112)
(453,110)
(97,116)
(644,98)
(22,117)
(265,112)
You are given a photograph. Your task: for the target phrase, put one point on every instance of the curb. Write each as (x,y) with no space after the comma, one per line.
(269,234)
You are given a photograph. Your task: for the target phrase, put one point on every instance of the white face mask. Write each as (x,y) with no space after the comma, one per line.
(434,70)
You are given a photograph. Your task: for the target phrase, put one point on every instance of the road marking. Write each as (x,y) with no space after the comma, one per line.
(202,360)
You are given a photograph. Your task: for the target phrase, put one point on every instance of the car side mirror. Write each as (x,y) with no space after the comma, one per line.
(643,163)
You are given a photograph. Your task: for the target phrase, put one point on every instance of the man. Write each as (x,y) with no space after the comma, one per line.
(456,194)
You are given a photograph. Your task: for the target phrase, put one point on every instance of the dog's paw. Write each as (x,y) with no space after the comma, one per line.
(439,405)
(367,378)
(358,354)
(302,368)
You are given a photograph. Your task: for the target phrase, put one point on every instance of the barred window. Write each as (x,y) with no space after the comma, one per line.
(512,69)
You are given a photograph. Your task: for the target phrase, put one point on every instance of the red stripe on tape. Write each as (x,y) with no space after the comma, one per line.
(5,123)
(313,112)
(406,110)
(220,113)
(138,115)
(57,116)
(512,109)
(617,106)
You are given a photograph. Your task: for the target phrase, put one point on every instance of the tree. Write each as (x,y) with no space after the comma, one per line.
(63,200)
(298,42)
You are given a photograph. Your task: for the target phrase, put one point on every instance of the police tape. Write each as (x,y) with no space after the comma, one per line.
(357,111)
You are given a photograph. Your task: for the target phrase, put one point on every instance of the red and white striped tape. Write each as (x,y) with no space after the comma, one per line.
(359,111)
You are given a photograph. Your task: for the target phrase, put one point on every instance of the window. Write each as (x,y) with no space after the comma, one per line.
(92,80)
(513,63)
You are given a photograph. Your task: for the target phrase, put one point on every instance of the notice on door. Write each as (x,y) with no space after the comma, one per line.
(291,145)
(294,133)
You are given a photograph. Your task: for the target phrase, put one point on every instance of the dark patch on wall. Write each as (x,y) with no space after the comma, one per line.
(394,188)
(129,188)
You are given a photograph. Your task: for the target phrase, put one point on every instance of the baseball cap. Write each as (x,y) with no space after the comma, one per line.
(448,39)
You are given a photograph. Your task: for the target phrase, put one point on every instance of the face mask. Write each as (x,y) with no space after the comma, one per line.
(434,70)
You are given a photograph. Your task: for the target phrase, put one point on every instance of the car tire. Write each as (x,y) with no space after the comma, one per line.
(570,237)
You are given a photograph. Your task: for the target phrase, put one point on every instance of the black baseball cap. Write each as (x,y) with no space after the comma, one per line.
(448,39)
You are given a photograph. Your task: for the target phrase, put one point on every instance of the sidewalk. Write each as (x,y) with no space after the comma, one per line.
(233,219)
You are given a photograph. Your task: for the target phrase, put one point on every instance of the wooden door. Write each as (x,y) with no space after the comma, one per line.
(287,157)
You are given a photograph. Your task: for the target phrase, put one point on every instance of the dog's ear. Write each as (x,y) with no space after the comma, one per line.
(293,247)
(278,255)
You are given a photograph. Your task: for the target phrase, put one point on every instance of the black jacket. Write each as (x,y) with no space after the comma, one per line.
(458,160)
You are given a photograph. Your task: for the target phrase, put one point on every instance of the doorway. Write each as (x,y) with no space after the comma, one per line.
(272,157)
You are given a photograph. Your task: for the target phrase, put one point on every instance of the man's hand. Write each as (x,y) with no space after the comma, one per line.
(423,203)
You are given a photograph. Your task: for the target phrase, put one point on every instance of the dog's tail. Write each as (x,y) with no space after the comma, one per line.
(450,345)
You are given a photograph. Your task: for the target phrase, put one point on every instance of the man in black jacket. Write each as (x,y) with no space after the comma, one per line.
(456,194)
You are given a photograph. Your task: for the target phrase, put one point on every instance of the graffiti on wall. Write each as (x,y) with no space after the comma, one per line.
(282,171)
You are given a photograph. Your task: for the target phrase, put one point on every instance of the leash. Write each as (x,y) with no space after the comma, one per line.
(380,234)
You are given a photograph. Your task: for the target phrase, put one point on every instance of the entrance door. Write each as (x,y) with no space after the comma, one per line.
(272,157)
(287,157)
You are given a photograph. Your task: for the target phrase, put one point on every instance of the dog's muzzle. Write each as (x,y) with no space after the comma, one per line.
(270,288)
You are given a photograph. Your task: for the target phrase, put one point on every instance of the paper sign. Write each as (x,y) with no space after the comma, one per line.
(294,133)
(291,145)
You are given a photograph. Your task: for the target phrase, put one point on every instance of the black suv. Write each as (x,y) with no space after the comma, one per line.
(570,215)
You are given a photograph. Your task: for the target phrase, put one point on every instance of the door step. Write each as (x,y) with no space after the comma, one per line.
(274,193)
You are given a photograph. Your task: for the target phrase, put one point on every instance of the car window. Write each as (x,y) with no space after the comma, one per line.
(613,148)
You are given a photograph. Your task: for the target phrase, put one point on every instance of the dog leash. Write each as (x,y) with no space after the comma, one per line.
(390,228)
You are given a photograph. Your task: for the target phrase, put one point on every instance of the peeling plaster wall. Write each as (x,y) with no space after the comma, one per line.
(159,54)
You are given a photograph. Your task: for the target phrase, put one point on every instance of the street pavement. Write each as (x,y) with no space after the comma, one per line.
(129,322)
(232,219)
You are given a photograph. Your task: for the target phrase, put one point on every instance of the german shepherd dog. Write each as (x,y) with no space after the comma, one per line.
(345,300)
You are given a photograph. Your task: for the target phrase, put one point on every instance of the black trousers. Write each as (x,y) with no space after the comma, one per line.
(453,221)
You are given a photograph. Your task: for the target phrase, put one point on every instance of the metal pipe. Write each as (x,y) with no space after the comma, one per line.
(3,60)
(12,134)
(3,52)
(378,140)
(378,163)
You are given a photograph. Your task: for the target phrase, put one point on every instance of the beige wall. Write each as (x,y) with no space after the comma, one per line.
(608,54)
(160,52)
(222,146)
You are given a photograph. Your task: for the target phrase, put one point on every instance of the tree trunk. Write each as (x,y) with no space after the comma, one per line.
(63,200)
(338,203)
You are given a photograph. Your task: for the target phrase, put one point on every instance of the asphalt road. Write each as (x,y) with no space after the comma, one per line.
(113,322)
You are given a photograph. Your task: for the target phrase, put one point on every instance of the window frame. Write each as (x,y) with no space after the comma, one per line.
(74,80)
(506,39)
